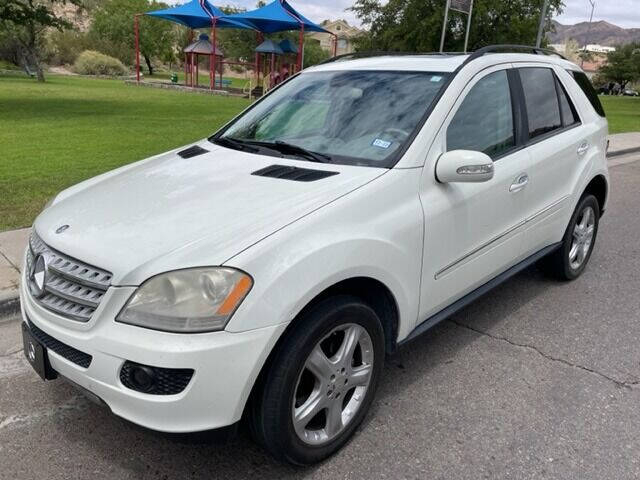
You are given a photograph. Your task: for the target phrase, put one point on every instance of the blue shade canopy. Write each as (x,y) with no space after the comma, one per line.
(269,46)
(277,16)
(192,15)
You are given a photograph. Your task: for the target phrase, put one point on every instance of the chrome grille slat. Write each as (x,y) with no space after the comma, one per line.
(73,288)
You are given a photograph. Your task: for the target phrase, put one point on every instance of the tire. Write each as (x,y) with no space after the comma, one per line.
(567,263)
(290,386)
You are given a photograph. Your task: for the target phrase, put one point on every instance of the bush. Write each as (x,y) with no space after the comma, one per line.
(63,47)
(91,62)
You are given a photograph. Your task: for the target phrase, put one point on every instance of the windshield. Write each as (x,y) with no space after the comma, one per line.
(350,117)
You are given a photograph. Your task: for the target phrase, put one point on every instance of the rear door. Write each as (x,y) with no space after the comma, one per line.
(557,145)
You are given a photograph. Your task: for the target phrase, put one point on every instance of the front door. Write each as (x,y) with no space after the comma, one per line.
(474,231)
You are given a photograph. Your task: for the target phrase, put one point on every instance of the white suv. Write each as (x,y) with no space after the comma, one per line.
(265,272)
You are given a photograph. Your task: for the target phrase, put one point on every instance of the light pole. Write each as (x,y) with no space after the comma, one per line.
(543,19)
(584,51)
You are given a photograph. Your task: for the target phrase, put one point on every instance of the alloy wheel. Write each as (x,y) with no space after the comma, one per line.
(332,384)
(582,238)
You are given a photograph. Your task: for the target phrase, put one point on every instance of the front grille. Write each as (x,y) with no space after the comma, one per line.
(72,288)
(164,381)
(73,355)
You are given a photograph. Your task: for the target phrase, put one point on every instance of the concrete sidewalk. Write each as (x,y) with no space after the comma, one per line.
(622,148)
(624,143)
(12,245)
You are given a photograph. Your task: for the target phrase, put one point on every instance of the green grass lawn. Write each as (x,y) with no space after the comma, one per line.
(623,113)
(56,134)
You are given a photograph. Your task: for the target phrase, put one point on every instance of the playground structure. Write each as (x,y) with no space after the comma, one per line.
(277,16)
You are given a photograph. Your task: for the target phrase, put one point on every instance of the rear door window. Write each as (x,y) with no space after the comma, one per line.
(568,111)
(585,84)
(541,100)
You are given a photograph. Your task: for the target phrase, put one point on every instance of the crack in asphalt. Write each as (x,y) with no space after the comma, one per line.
(619,383)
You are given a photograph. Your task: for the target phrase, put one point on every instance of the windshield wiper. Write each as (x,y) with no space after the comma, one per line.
(234,143)
(290,148)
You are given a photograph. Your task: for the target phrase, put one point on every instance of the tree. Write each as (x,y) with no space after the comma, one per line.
(26,21)
(623,64)
(112,31)
(313,53)
(416,25)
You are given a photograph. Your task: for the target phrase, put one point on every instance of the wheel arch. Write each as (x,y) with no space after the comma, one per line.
(371,291)
(599,188)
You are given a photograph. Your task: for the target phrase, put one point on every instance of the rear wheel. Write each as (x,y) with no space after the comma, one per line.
(570,260)
(321,382)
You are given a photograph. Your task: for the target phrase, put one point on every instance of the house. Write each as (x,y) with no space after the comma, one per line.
(343,31)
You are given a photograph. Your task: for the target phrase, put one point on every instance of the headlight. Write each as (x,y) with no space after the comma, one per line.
(187,301)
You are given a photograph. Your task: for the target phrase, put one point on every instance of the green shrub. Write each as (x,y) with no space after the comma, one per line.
(91,62)
(5,65)
(63,47)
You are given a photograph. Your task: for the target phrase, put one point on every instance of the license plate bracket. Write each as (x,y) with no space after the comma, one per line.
(36,354)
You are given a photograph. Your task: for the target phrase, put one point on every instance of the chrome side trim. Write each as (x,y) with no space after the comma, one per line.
(441,272)
(546,209)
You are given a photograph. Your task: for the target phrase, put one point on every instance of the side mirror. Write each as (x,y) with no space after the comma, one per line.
(464,166)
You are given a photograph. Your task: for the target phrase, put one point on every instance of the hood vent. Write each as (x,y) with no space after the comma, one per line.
(192,152)
(297,174)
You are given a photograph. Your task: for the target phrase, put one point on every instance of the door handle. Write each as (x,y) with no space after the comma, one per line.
(583,148)
(519,183)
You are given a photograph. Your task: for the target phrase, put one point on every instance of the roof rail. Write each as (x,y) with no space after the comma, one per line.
(381,53)
(506,48)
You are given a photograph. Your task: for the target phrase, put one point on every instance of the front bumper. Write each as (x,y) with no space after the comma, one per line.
(226,365)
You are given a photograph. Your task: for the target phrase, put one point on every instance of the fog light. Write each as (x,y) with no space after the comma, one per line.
(154,380)
(142,378)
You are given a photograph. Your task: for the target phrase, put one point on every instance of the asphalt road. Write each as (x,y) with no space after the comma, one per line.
(539,379)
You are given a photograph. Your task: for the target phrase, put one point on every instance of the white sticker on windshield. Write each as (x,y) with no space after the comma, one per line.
(435,78)
(378,142)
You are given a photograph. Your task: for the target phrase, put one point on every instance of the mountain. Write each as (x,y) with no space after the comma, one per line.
(602,33)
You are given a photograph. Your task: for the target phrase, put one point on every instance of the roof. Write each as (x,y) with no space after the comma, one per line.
(287,46)
(269,46)
(434,62)
(277,16)
(203,46)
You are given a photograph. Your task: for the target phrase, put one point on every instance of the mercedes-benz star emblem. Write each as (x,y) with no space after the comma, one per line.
(38,276)
(62,228)
(32,352)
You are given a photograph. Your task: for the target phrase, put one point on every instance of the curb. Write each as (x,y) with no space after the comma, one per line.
(625,151)
(9,306)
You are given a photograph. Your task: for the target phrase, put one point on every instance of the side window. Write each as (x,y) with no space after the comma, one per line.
(541,100)
(484,121)
(585,84)
(569,115)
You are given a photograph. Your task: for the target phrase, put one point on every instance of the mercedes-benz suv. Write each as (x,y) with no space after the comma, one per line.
(265,272)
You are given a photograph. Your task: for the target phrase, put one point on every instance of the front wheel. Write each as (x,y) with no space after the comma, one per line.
(570,260)
(321,381)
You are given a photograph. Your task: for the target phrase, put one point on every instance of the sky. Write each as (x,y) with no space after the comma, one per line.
(625,13)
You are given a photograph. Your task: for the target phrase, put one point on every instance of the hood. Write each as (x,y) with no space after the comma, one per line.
(170,212)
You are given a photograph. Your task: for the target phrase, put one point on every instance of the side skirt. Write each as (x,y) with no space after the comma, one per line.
(445,313)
